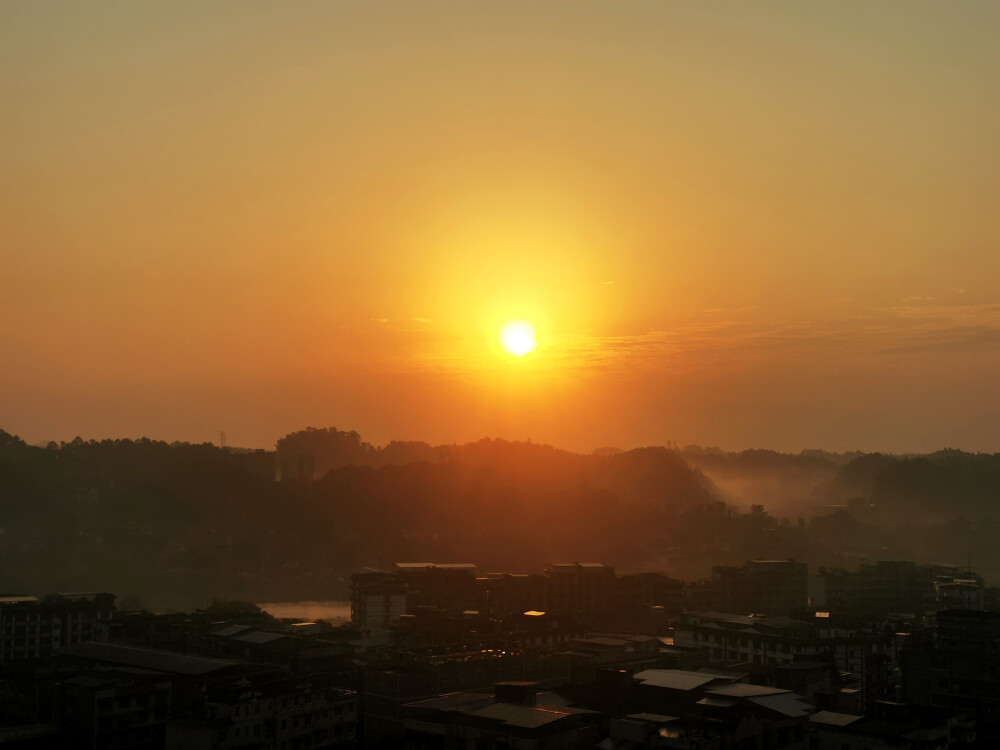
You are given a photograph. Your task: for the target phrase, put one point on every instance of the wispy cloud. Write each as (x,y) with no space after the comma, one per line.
(729,337)
(947,328)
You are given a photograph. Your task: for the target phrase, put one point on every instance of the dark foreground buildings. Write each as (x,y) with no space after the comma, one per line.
(580,656)
(955,665)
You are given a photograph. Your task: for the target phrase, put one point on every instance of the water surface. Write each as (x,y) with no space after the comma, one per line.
(334,611)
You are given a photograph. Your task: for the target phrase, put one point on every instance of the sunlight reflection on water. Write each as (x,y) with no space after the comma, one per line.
(332,611)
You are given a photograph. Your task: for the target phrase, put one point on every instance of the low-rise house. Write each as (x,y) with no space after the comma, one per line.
(510,717)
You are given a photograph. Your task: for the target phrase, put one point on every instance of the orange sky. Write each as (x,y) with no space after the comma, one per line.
(735,224)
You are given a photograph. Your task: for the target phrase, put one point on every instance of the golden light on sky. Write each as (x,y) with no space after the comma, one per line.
(737,224)
(517,337)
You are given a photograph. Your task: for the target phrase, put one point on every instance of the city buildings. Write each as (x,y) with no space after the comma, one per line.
(766,587)
(444,674)
(512,716)
(955,664)
(32,628)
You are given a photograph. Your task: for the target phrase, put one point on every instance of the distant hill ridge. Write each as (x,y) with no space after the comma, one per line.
(194,521)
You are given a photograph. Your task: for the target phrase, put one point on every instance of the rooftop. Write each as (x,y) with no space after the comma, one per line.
(258,637)
(485,706)
(655,718)
(231,630)
(746,690)
(833,718)
(729,674)
(526,717)
(452,700)
(787,704)
(147,658)
(727,617)
(676,679)
(716,702)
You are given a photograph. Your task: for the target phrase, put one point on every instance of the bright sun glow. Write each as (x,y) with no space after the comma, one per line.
(517,337)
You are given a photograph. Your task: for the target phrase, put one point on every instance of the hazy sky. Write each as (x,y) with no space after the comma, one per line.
(735,224)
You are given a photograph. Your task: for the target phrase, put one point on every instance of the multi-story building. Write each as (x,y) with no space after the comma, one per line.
(609,601)
(507,594)
(590,655)
(406,677)
(957,666)
(957,592)
(576,588)
(858,652)
(766,587)
(883,587)
(135,697)
(31,628)
(378,599)
(729,638)
(447,585)
(730,711)
(651,589)
(107,707)
(269,710)
(892,726)
(510,717)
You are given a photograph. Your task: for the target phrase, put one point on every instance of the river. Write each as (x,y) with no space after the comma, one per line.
(335,612)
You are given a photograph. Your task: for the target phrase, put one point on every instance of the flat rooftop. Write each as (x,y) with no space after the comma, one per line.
(677,679)
(148,658)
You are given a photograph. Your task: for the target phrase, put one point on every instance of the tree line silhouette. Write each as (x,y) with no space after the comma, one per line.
(179,524)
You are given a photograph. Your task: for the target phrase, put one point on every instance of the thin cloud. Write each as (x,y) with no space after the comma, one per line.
(955,340)
(732,341)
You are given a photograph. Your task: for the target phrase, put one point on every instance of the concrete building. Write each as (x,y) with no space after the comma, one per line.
(576,588)
(588,655)
(378,599)
(728,711)
(859,653)
(647,731)
(957,667)
(891,726)
(445,585)
(957,592)
(766,587)
(107,707)
(405,678)
(882,587)
(31,628)
(507,594)
(135,697)
(731,638)
(651,589)
(269,710)
(513,716)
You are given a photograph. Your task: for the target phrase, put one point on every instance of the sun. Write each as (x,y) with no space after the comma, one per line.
(517,337)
